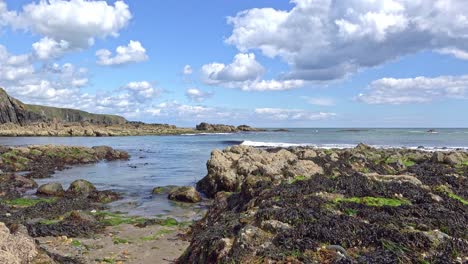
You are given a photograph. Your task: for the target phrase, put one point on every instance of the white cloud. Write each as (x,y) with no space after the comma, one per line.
(187,70)
(327,40)
(48,48)
(67,25)
(143,90)
(196,95)
(319,101)
(244,73)
(243,68)
(132,53)
(457,53)
(415,90)
(292,114)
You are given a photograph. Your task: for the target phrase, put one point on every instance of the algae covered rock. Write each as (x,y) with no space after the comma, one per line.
(187,194)
(163,189)
(51,189)
(81,187)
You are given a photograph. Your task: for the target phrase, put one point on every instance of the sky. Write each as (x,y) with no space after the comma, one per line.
(302,63)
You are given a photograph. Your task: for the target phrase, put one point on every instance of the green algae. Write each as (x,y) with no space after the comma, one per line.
(27,202)
(374,201)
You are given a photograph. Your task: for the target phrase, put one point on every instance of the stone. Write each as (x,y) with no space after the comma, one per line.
(163,189)
(187,194)
(16,248)
(454,158)
(81,187)
(51,189)
(438,157)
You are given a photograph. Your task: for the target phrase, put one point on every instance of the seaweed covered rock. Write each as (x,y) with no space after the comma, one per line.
(366,205)
(17,247)
(51,189)
(187,194)
(12,186)
(163,189)
(81,187)
(46,158)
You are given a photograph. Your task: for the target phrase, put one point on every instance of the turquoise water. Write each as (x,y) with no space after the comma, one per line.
(181,160)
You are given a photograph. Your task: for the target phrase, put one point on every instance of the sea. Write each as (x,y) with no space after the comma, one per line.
(181,159)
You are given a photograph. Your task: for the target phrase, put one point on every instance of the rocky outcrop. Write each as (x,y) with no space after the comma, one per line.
(228,169)
(51,189)
(44,158)
(16,112)
(306,205)
(81,187)
(225,128)
(17,248)
(186,194)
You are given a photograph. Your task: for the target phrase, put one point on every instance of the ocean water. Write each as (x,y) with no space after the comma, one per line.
(181,160)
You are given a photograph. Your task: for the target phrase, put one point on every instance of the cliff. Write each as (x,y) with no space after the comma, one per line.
(14,111)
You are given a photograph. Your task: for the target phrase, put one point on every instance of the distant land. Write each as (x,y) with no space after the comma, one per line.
(20,119)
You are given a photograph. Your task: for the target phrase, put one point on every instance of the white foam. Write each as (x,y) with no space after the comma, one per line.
(205,134)
(341,146)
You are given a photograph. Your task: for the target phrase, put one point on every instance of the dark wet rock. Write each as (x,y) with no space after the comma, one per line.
(367,205)
(187,194)
(51,189)
(76,224)
(81,187)
(225,128)
(163,189)
(12,186)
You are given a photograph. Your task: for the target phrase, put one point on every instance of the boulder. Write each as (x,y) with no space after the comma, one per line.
(81,187)
(16,248)
(454,158)
(185,194)
(51,189)
(163,189)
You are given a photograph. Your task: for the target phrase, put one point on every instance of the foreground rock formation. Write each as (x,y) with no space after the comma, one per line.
(305,205)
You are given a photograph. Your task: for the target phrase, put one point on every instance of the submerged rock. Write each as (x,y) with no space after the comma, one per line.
(163,189)
(187,194)
(51,189)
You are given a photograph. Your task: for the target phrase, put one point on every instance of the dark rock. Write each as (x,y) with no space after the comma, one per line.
(81,187)
(187,194)
(51,189)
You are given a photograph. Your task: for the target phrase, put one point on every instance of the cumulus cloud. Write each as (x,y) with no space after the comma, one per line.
(187,70)
(132,53)
(142,90)
(244,73)
(67,25)
(292,114)
(327,40)
(196,95)
(415,90)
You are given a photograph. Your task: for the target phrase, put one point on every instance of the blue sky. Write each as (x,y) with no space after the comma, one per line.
(304,63)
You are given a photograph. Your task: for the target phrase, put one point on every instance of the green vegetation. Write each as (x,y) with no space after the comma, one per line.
(114,219)
(118,240)
(350,212)
(297,178)
(27,202)
(76,243)
(157,235)
(374,201)
(405,160)
(393,247)
(444,189)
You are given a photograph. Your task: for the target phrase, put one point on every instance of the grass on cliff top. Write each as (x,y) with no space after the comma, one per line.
(374,201)
(27,202)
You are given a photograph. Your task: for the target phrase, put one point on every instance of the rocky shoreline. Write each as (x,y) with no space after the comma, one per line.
(73,225)
(268,205)
(305,205)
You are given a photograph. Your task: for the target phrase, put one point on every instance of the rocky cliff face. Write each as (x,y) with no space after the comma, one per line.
(14,111)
